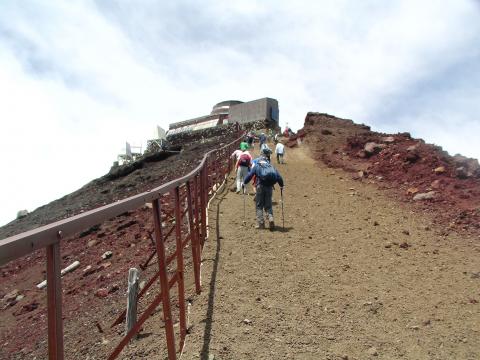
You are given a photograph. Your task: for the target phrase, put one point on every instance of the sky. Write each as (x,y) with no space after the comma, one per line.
(79,78)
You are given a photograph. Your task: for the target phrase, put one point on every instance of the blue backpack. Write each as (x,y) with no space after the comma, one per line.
(266,173)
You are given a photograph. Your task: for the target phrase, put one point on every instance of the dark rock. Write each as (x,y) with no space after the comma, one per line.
(27,308)
(92,229)
(126,225)
(461,172)
(114,288)
(412,157)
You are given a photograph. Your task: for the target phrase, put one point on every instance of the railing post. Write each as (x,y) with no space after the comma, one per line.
(203,205)
(180,267)
(193,239)
(162,267)
(230,161)
(54,303)
(208,174)
(196,193)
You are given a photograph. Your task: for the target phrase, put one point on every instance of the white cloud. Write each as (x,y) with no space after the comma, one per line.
(79,78)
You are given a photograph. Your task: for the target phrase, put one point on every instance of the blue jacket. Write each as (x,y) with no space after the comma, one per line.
(253,171)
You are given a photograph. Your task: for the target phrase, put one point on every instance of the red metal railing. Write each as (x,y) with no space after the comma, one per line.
(190,193)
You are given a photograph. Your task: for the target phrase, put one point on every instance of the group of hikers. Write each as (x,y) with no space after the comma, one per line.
(263,175)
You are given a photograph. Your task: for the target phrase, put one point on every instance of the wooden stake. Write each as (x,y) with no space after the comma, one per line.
(131,316)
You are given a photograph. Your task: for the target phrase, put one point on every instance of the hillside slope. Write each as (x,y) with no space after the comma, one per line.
(354,269)
(147,173)
(411,170)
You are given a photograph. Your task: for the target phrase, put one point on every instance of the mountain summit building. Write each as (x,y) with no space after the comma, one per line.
(231,112)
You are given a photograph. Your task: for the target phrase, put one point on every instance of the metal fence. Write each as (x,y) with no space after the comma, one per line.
(183,200)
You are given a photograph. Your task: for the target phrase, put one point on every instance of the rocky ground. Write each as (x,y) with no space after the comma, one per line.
(361,269)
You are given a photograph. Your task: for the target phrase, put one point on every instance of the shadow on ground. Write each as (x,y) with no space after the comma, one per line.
(211,295)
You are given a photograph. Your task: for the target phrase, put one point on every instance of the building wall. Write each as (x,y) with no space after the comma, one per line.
(255,110)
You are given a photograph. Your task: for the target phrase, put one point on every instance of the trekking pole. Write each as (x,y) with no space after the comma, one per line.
(283,216)
(244,214)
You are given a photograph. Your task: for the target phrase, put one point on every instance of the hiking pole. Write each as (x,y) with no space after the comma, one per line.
(244,214)
(283,216)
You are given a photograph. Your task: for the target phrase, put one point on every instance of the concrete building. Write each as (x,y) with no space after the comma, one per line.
(256,110)
(229,112)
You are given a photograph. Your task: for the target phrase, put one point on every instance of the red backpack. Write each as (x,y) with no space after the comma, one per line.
(244,160)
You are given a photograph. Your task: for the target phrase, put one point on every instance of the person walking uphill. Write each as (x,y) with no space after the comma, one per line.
(262,140)
(243,165)
(266,177)
(280,151)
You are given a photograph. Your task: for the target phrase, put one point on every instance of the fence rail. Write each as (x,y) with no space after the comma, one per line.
(189,196)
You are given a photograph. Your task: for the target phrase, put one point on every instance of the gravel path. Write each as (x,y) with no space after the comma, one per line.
(354,275)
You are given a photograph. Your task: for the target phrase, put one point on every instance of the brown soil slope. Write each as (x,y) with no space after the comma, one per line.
(353,276)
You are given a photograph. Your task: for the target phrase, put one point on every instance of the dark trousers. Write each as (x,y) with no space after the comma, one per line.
(263,201)
(280,158)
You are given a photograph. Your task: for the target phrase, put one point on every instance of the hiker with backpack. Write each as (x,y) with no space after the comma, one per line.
(243,165)
(243,146)
(266,151)
(262,139)
(280,151)
(266,177)
(264,155)
(250,139)
(236,154)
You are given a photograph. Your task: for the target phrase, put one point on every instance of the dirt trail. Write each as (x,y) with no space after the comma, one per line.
(354,275)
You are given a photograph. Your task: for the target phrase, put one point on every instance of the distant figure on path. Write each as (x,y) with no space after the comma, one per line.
(243,165)
(265,151)
(275,139)
(280,151)
(262,139)
(250,139)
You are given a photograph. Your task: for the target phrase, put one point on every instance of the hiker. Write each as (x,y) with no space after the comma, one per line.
(236,154)
(280,151)
(266,177)
(243,165)
(266,151)
(262,139)
(264,155)
(243,146)
(250,139)
(275,139)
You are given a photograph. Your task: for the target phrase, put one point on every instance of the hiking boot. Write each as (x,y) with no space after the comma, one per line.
(271,223)
(260,226)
